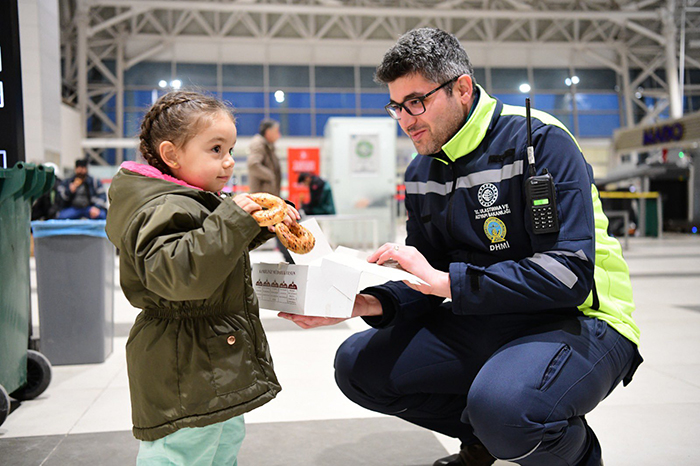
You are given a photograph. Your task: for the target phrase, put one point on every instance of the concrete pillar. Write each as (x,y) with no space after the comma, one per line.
(41,79)
(669,31)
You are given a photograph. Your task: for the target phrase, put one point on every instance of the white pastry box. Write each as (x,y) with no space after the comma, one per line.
(323,282)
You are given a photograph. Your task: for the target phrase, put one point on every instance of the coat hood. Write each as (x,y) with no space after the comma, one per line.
(135,185)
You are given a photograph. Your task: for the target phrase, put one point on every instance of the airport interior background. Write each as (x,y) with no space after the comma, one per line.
(77,76)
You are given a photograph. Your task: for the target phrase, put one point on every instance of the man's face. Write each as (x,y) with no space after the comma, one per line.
(444,112)
(272,134)
(81,172)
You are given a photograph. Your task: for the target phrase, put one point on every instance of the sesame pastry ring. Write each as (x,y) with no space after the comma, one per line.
(296,238)
(273,209)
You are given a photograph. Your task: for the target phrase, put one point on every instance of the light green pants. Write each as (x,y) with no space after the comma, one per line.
(214,445)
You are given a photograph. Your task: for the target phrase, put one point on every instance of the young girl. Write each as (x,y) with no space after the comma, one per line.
(197,357)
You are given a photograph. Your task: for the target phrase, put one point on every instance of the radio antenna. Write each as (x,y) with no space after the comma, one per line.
(530,149)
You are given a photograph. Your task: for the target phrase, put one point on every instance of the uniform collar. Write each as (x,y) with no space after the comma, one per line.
(474,130)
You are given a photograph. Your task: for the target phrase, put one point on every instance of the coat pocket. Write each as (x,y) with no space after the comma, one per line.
(232,362)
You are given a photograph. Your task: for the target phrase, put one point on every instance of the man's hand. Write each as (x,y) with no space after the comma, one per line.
(365,305)
(412,261)
(94,212)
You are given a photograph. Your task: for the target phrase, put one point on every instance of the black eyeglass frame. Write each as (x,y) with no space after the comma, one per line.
(393,107)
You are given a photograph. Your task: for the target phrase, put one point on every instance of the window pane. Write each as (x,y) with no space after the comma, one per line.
(549,102)
(597,101)
(335,76)
(335,100)
(376,101)
(367,78)
(293,124)
(241,100)
(247,124)
(599,78)
(512,99)
(147,73)
(291,100)
(549,79)
(139,99)
(508,78)
(480,76)
(132,123)
(289,76)
(242,75)
(597,125)
(196,75)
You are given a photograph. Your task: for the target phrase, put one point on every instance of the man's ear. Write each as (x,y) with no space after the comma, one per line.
(465,88)
(168,154)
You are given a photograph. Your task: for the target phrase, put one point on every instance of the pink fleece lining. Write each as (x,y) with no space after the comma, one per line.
(153,172)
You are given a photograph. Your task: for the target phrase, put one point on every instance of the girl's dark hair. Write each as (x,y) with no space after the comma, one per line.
(176,117)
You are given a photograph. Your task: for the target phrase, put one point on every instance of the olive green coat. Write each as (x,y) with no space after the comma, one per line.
(197,353)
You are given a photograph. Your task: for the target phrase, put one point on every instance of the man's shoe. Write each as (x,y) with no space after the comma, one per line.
(471,455)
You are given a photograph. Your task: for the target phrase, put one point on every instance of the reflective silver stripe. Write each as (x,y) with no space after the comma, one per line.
(557,269)
(473,179)
(579,254)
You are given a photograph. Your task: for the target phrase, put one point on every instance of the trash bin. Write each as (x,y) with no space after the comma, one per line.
(24,373)
(75,288)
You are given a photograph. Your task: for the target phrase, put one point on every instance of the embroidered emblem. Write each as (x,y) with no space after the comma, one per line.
(495,229)
(488,193)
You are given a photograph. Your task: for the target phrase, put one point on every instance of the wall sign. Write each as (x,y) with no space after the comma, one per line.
(664,133)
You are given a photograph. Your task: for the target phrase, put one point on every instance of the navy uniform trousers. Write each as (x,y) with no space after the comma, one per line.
(519,383)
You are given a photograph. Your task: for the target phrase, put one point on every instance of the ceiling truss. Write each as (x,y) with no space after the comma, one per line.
(101,39)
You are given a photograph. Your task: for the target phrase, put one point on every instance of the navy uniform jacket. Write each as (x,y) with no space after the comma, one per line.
(467,215)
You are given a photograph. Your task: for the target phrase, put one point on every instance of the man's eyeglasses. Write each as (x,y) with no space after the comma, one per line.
(415,105)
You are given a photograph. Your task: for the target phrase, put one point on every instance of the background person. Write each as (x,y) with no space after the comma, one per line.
(197,355)
(320,195)
(82,196)
(538,327)
(264,171)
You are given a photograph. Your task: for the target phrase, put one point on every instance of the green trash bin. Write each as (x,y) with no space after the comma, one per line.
(75,289)
(24,373)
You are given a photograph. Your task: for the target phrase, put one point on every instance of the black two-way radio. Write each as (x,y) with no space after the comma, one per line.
(540,193)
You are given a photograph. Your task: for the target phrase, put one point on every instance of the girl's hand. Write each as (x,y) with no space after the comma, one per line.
(244,201)
(412,261)
(291,216)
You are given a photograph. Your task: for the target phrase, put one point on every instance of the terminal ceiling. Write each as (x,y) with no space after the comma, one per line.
(659,39)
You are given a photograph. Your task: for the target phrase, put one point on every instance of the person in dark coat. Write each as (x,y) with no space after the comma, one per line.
(321,195)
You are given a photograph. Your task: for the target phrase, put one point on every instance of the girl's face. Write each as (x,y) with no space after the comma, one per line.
(206,160)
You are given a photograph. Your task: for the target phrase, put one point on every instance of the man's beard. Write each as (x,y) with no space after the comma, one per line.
(440,135)
(81,176)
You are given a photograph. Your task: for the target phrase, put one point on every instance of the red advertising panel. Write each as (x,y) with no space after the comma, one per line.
(301,159)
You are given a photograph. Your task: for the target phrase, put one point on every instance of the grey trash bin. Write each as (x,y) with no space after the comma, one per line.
(75,288)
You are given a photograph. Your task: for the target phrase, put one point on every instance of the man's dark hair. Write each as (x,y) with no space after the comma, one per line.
(81,163)
(432,53)
(266,124)
(303,176)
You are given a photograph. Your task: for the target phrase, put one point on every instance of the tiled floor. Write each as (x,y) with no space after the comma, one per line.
(83,418)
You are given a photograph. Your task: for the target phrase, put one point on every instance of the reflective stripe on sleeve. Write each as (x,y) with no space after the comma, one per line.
(555,268)
(473,179)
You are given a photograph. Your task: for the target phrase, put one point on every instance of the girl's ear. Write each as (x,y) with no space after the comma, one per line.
(168,154)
